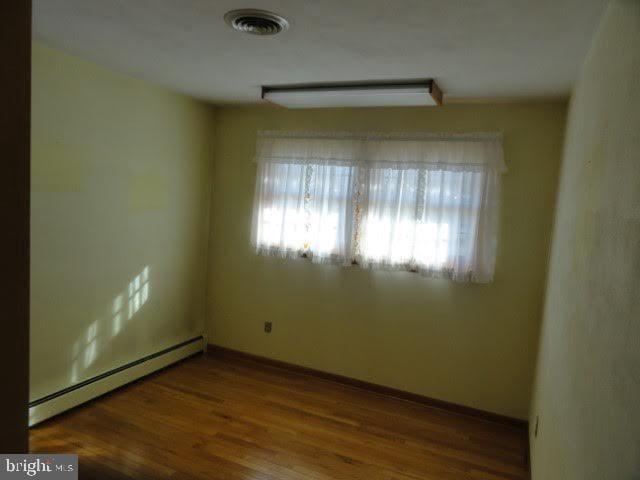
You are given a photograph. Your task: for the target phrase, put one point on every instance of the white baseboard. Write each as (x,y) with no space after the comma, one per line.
(73,396)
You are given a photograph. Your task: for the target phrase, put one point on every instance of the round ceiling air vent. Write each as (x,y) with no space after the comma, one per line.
(256,22)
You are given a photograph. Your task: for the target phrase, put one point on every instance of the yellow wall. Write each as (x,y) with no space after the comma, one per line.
(587,394)
(120,182)
(470,344)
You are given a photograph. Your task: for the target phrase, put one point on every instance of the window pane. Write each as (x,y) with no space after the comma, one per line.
(421,219)
(330,209)
(304,209)
(389,223)
(278,216)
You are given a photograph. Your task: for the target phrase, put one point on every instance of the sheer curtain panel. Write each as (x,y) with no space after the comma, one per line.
(303,209)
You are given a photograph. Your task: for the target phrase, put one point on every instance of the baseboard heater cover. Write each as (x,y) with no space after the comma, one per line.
(67,398)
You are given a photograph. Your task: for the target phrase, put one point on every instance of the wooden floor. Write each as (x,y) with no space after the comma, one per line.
(222,418)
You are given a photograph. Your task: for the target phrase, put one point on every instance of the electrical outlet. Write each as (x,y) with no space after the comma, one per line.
(535,430)
(267,327)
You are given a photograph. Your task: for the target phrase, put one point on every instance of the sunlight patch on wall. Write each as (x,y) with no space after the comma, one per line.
(124,308)
(138,291)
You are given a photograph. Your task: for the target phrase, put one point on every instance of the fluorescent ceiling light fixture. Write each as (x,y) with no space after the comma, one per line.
(412,94)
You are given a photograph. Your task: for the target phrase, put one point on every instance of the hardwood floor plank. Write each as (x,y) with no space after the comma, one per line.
(225,418)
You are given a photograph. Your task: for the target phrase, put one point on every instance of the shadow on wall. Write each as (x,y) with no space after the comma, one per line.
(124,308)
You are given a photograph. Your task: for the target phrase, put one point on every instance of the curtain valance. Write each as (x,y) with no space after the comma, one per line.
(449,152)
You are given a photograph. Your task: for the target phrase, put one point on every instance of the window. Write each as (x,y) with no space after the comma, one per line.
(420,203)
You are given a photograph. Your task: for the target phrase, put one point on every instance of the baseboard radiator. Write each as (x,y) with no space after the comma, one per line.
(62,400)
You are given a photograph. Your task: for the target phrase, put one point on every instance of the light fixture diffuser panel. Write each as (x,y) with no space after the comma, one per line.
(350,96)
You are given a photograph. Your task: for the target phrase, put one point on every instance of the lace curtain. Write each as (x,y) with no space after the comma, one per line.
(304,209)
(425,203)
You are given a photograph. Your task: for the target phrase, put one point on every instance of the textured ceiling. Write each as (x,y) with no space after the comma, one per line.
(473,48)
